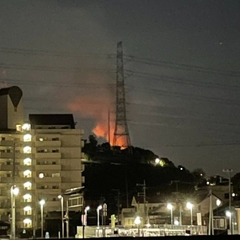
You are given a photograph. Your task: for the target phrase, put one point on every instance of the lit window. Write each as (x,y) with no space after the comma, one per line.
(27,138)
(27,173)
(41,175)
(55,174)
(27,161)
(27,197)
(27,210)
(27,185)
(26,127)
(18,127)
(27,222)
(27,149)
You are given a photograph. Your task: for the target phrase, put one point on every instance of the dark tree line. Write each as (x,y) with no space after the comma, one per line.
(110,168)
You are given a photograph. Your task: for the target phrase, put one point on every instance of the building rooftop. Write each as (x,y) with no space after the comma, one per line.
(52,120)
(14,92)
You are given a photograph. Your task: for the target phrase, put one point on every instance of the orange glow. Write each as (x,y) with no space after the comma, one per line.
(97,104)
(99,112)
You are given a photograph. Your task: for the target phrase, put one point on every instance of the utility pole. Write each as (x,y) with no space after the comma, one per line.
(229,171)
(210,220)
(178,201)
(126,184)
(109,128)
(118,205)
(143,194)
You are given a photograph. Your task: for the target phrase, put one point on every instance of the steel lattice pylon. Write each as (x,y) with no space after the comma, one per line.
(121,129)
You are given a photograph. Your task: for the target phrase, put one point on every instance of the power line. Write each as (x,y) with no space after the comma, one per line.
(193,97)
(132,58)
(52,68)
(35,52)
(58,84)
(181,66)
(195,145)
(167,79)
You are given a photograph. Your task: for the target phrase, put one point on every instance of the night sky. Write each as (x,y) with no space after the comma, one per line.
(182,69)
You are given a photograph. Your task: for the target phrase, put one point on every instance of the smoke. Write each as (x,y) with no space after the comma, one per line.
(101,110)
(96,103)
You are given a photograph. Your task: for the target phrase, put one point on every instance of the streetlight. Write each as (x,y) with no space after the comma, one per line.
(190,207)
(157,160)
(98,209)
(42,202)
(14,192)
(218,202)
(61,199)
(170,207)
(98,222)
(137,221)
(85,211)
(229,215)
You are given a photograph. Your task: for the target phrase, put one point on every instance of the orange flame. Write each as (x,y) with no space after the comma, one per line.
(102,129)
(103,126)
(97,104)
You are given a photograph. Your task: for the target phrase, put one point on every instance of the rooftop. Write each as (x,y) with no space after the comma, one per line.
(52,120)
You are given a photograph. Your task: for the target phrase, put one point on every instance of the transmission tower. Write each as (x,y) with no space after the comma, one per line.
(121,133)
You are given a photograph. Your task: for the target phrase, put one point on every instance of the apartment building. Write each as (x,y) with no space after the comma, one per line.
(40,157)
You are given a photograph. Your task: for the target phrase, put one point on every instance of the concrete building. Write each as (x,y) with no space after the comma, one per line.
(41,157)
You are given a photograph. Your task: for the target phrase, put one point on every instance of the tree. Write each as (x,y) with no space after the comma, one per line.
(198,176)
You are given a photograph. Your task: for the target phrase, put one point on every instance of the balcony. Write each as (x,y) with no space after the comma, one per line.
(46,180)
(6,143)
(53,205)
(6,179)
(6,155)
(5,167)
(50,143)
(45,167)
(48,155)
(48,191)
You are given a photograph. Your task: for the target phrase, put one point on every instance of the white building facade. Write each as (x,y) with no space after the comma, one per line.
(42,158)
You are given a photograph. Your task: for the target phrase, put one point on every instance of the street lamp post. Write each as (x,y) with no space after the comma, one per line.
(137,221)
(170,207)
(42,202)
(14,192)
(190,207)
(85,211)
(98,209)
(84,220)
(67,219)
(98,222)
(229,171)
(61,200)
(229,215)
